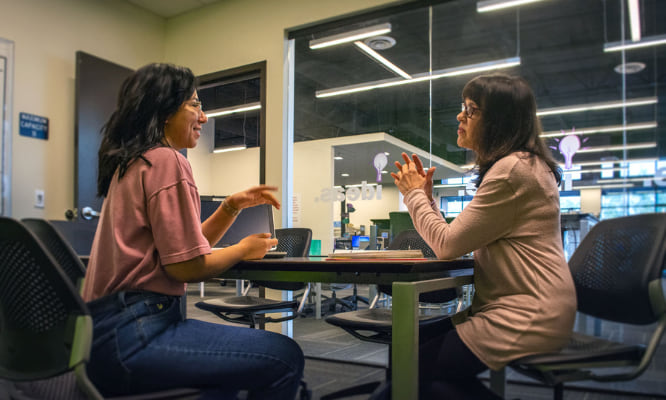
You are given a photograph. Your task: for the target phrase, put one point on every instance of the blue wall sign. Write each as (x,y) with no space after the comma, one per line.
(33,126)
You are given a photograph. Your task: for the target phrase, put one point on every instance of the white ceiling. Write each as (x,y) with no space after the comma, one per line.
(171,8)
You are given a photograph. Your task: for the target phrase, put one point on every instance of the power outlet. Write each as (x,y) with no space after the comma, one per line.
(39,198)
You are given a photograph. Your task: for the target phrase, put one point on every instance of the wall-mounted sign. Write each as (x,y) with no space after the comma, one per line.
(33,126)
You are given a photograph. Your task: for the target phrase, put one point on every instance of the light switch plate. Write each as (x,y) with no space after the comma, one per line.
(39,198)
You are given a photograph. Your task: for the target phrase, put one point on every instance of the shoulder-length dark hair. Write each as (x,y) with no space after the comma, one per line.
(147,98)
(508,121)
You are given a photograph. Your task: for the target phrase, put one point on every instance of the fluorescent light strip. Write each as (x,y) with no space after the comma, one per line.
(361,185)
(618,148)
(424,76)
(623,180)
(231,148)
(589,163)
(350,36)
(234,110)
(597,106)
(378,57)
(634,20)
(612,186)
(602,129)
(644,42)
(450,185)
(594,170)
(492,5)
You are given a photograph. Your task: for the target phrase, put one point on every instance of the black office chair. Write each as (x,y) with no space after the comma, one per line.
(45,327)
(376,324)
(252,310)
(617,270)
(59,248)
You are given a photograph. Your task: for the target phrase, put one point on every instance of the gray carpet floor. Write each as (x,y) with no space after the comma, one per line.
(335,359)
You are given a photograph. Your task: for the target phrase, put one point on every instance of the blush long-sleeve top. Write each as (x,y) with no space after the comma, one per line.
(525,300)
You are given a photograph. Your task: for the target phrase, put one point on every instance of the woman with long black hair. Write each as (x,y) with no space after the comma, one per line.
(150,242)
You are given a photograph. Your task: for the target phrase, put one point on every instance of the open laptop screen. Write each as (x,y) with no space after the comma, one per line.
(258,219)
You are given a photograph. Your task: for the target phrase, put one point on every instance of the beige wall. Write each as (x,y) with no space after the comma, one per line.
(47,33)
(590,201)
(46,36)
(233,33)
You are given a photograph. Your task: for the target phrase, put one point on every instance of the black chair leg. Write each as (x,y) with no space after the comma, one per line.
(558,391)
(383,392)
(364,388)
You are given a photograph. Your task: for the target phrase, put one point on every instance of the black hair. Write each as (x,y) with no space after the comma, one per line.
(146,100)
(508,121)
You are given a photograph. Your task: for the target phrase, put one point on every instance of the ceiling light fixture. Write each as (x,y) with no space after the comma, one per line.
(602,129)
(449,185)
(597,106)
(424,76)
(378,57)
(350,36)
(233,110)
(619,147)
(644,42)
(492,5)
(623,180)
(611,186)
(593,170)
(605,162)
(632,67)
(634,20)
(230,148)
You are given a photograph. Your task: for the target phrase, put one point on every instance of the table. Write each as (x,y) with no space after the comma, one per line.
(408,277)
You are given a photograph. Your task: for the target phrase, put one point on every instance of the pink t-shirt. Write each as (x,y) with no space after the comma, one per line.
(150,218)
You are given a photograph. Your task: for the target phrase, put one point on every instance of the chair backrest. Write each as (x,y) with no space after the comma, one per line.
(617,269)
(296,243)
(79,233)
(39,310)
(411,240)
(59,248)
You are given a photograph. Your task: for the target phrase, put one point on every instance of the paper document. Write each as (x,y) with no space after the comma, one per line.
(346,254)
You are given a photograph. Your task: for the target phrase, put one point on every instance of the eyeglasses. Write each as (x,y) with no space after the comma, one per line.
(196,103)
(469,111)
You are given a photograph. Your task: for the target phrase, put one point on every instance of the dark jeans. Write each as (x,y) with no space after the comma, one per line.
(447,368)
(142,343)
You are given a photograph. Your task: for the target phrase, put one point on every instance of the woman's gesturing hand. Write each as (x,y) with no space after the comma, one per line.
(411,175)
(253,196)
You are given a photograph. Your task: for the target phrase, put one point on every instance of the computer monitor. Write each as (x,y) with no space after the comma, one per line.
(257,219)
(360,242)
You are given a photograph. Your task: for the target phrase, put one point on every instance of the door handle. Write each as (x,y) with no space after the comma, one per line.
(88,213)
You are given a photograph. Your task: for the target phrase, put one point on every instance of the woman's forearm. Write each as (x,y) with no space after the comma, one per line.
(205,266)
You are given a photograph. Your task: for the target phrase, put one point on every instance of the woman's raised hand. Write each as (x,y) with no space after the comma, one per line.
(253,196)
(411,175)
(427,187)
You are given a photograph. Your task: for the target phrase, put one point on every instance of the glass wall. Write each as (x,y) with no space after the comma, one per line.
(369,87)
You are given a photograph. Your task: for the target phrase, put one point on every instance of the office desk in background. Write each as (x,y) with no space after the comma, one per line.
(408,277)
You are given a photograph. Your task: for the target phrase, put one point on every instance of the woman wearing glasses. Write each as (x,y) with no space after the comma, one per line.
(150,241)
(524,301)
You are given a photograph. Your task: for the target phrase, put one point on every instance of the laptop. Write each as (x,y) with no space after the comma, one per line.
(257,219)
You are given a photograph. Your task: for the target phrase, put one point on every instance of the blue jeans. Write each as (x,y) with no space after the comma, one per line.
(142,343)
